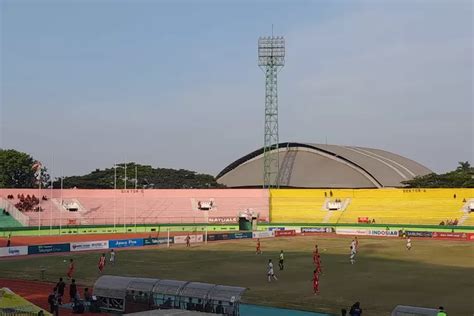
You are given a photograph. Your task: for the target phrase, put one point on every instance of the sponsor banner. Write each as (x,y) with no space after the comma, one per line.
(470,236)
(285,233)
(124,243)
(194,238)
(13,251)
(223,220)
(90,245)
(410,233)
(262,234)
(157,241)
(316,229)
(383,233)
(296,229)
(454,236)
(241,235)
(37,249)
(214,237)
(275,228)
(352,231)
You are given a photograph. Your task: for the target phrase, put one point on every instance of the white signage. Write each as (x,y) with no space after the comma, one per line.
(193,239)
(263,234)
(13,251)
(89,245)
(352,231)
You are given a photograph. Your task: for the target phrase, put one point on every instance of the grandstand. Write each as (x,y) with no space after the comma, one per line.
(348,206)
(384,206)
(98,207)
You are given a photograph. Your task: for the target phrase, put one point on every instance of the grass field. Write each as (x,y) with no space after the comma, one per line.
(433,273)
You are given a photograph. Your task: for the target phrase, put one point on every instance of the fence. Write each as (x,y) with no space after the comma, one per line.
(14,212)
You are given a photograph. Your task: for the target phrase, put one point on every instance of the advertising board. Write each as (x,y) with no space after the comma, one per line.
(285,233)
(352,231)
(39,249)
(316,229)
(383,233)
(263,234)
(89,245)
(241,235)
(410,233)
(124,243)
(157,241)
(276,228)
(13,251)
(214,237)
(454,236)
(182,239)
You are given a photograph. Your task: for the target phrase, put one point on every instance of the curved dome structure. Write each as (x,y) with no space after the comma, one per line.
(305,165)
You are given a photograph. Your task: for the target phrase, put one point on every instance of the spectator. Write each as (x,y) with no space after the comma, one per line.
(52,301)
(219,308)
(199,307)
(87,295)
(9,240)
(60,287)
(167,303)
(454,196)
(355,310)
(73,290)
(190,306)
(441,311)
(343,312)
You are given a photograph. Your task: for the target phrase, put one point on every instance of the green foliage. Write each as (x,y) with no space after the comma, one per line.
(16,170)
(462,177)
(148,177)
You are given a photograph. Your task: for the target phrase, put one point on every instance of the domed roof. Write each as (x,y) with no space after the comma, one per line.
(306,165)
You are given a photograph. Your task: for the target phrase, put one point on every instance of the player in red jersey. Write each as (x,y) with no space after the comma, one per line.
(70,270)
(259,250)
(315,282)
(315,254)
(319,266)
(102,263)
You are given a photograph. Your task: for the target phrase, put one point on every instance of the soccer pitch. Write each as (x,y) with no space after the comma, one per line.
(385,274)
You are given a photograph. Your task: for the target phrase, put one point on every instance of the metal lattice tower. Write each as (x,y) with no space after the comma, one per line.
(271,58)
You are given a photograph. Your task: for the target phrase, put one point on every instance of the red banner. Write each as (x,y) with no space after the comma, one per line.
(363,219)
(453,236)
(284,233)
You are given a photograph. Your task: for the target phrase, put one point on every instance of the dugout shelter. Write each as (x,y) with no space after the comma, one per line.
(129,295)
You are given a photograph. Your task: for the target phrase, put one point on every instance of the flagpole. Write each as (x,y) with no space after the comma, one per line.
(61,208)
(135,198)
(115,195)
(51,199)
(39,203)
(125,198)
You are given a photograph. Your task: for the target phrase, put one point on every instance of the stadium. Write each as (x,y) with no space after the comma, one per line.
(290,229)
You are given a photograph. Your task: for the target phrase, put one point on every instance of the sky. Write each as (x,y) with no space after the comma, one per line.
(175,84)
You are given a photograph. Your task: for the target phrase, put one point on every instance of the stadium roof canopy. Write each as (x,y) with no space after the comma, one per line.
(306,165)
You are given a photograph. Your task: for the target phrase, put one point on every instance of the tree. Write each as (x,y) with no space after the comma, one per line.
(16,170)
(462,177)
(147,178)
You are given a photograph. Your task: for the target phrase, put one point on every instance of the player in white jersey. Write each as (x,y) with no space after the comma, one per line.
(280,263)
(112,256)
(270,272)
(354,246)
(353,254)
(408,243)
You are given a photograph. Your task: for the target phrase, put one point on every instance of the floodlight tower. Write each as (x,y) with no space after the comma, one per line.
(271,59)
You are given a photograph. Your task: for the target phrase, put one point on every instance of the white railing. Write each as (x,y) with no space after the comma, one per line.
(14,212)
